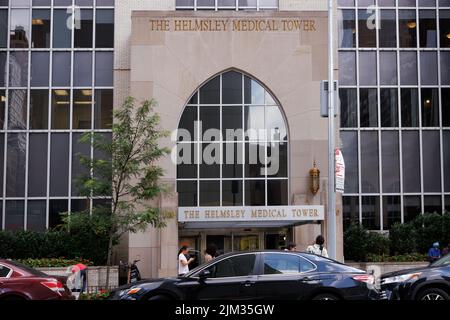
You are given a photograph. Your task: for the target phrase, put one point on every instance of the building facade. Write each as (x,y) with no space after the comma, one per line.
(238,83)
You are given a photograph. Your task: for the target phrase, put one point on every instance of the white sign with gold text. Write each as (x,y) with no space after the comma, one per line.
(246,214)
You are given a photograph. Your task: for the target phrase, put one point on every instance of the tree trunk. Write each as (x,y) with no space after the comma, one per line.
(108,261)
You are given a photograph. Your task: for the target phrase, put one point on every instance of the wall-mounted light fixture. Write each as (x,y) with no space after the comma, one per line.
(314,174)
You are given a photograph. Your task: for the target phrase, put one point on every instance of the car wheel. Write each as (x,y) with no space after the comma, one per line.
(434,294)
(13,298)
(159,298)
(326,297)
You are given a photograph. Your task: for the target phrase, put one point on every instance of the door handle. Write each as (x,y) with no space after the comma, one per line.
(307,279)
(248,284)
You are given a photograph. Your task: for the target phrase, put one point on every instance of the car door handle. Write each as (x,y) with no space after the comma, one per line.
(248,284)
(307,279)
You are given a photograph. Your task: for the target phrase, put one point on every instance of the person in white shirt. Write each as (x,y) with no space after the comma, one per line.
(318,248)
(183,262)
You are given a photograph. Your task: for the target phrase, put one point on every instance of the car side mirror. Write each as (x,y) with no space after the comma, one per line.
(204,274)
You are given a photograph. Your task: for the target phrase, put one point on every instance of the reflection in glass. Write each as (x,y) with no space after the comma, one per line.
(232,193)
(350,151)
(347,68)
(391,211)
(368,68)
(275,124)
(371,213)
(40,62)
(3,28)
(103,109)
(233,160)
(82,109)
(37,215)
(369,162)
(18,68)
(349,108)
(187,193)
(187,161)
(255,160)
(390,161)
(350,207)
(82,69)
(347,29)
(60,109)
(78,170)
(187,123)
(17,110)
(210,92)
(15,166)
(428,67)
(368,108)
(431,161)
(387,33)
(446,164)
(232,123)
(412,207)
(61,74)
(253,91)
(39,109)
(389,107)
(104,69)
(210,121)
(104,29)
(14,215)
(84,34)
(232,88)
(62,35)
(2,111)
(3,79)
(37,165)
(278,195)
(210,161)
(56,207)
(277,160)
(209,193)
(432,204)
(255,193)
(408,68)
(59,165)
(388,68)
(19,28)
(428,30)
(407,28)
(367,33)
(444,26)
(41,29)
(254,123)
(411,161)
(410,107)
(430,107)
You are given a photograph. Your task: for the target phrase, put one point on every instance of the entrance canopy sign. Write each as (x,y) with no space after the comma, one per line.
(292,214)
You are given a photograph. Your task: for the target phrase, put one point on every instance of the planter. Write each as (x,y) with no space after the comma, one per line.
(96,279)
(380,268)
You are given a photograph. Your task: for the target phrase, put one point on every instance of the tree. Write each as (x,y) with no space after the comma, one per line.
(125,175)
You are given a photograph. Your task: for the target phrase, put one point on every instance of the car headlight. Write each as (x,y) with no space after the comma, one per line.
(402,278)
(129,292)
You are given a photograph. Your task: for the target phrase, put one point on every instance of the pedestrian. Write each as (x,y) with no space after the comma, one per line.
(291,247)
(318,247)
(434,253)
(210,253)
(183,262)
(446,250)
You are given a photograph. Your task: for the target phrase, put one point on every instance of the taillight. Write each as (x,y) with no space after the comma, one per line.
(366,278)
(54,285)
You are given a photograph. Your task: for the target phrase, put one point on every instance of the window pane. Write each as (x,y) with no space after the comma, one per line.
(78,170)
(60,109)
(347,68)
(411,161)
(275,125)
(3,69)
(238,266)
(408,68)
(407,28)
(254,123)
(17,110)
(83,35)
(254,160)
(210,165)
(371,213)
(432,204)
(187,161)
(2,109)
(104,69)
(428,68)
(391,211)
(367,34)
(210,121)
(210,92)
(277,193)
(347,29)
(37,165)
(104,29)
(446,144)
(15,166)
(41,29)
(14,215)
(39,109)
(232,88)
(62,35)
(368,108)
(350,151)
(3,28)
(281,264)
(103,112)
(349,108)
(431,161)
(444,25)
(2,159)
(412,207)
(430,108)
(387,32)
(367,68)
(351,211)
(82,69)
(391,161)
(20,28)
(187,193)
(428,33)
(388,68)
(277,160)
(56,207)
(61,74)
(209,193)
(79,205)
(186,125)
(232,160)
(40,62)
(445,66)
(255,193)
(253,91)
(389,108)
(59,165)
(232,193)
(82,109)
(410,108)
(18,68)
(369,162)
(232,123)
(37,215)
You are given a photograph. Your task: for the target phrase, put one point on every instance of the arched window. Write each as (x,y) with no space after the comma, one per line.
(232,146)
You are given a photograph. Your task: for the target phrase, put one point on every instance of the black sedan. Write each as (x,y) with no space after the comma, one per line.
(428,283)
(259,275)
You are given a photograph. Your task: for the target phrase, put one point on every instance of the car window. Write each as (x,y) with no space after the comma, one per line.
(285,264)
(443,262)
(329,265)
(237,266)
(4,271)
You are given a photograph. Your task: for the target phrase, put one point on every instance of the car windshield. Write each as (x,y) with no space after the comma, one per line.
(443,262)
(32,271)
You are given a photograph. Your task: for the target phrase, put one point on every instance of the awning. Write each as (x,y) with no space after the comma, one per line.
(248,217)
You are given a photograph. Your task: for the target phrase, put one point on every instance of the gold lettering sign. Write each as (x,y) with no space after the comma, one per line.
(236,25)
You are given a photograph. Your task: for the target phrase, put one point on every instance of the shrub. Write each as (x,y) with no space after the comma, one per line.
(402,239)
(412,257)
(53,262)
(377,244)
(355,243)
(430,228)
